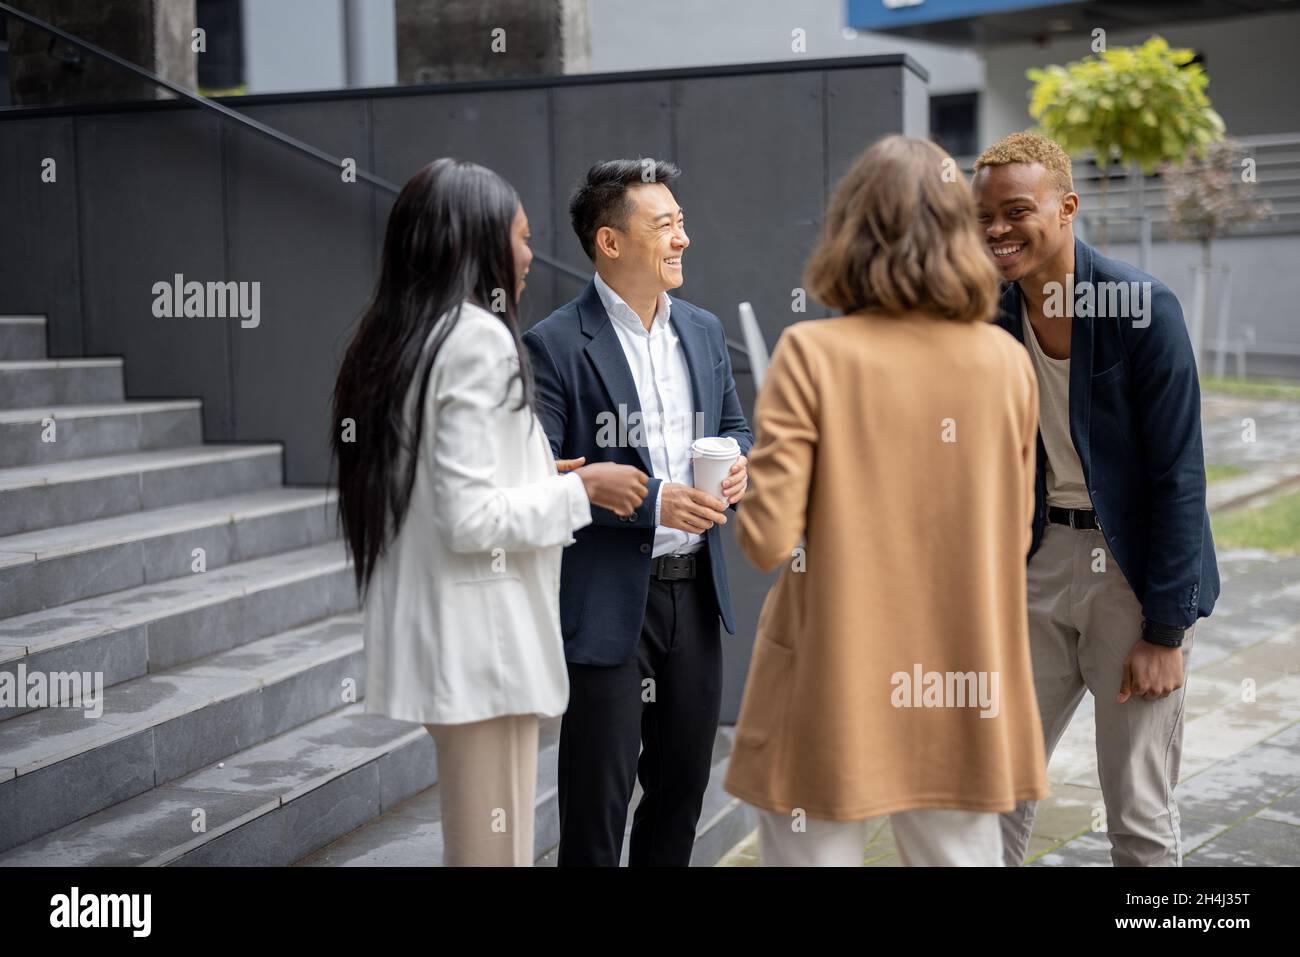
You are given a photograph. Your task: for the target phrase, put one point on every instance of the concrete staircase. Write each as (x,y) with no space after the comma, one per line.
(230,730)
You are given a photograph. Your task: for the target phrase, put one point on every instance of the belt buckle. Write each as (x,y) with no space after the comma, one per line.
(678,565)
(1072,525)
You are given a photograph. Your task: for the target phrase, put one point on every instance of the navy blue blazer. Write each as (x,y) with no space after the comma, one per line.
(582,377)
(1135,418)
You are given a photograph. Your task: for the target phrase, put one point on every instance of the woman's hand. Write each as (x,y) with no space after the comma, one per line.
(619,488)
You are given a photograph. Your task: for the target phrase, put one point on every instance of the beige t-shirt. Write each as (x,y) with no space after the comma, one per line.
(1066,487)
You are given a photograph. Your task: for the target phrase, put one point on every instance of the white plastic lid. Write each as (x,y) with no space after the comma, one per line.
(715,447)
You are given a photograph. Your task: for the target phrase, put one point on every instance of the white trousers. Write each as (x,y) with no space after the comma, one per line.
(923,839)
(487,779)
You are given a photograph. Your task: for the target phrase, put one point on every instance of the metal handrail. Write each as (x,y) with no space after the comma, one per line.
(247,122)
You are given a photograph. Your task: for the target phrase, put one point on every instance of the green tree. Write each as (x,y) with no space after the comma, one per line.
(1139,106)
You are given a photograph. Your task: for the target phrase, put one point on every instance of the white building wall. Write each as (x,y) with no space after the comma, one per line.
(293,45)
(635,35)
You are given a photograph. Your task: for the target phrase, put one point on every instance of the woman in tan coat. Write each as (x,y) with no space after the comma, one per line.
(893,479)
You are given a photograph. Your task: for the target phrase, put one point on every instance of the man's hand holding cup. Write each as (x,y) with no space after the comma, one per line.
(720,478)
(688,509)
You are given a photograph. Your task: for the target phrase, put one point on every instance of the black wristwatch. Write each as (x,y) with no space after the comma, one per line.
(1167,636)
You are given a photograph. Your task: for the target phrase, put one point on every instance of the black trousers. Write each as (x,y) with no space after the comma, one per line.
(663,702)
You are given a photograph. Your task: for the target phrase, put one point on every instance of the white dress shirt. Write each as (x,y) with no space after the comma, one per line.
(663,385)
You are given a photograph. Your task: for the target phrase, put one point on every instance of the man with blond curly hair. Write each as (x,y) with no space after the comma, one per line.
(1122,563)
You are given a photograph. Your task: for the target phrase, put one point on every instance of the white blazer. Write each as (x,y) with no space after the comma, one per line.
(462,617)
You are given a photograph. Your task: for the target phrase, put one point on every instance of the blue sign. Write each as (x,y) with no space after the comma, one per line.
(892,14)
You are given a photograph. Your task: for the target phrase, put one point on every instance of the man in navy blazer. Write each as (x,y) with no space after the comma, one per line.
(625,374)
(1122,563)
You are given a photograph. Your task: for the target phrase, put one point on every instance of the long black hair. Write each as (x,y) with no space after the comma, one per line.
(448,240)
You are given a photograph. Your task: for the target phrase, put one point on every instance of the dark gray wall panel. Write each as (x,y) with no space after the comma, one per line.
(506,130)
(916,105)
(752,156)
(862,105)
(38,245)
(150,208)
(593,123)
(306,235)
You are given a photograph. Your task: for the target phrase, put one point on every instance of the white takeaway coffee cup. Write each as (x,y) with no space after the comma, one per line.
(713,458)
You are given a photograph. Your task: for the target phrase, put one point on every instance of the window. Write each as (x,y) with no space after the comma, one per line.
(953,121)
(221,67)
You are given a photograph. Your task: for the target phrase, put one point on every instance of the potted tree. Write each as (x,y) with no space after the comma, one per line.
(1138,106)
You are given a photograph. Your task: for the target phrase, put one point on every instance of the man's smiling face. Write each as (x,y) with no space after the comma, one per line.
(655,237)
(1025,217)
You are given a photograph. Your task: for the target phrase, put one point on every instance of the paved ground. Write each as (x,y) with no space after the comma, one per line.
(1240,788)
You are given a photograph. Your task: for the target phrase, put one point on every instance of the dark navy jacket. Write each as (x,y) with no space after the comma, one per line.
(581,377)
(1135,418)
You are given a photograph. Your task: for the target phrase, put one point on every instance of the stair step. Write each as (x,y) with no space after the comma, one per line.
(61,493)
(163,625)
(270,804)
(53,566)
(22,337)
(28,382)
(81,431)
(159,727)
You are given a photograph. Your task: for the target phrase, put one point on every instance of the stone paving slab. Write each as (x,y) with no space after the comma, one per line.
(1285,810)
(1240,786)
(1257,842)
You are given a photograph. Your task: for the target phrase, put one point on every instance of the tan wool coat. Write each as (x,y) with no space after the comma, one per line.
(891,667)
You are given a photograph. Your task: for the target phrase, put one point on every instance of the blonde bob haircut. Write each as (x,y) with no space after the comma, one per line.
(901,237)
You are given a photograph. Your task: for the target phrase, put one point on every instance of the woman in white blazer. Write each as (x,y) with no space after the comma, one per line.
(452,506)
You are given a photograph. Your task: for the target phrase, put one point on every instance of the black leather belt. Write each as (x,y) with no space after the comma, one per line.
(671,568)
(1074,517)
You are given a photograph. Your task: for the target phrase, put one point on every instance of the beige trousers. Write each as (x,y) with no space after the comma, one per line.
(923,838)
(1083,621)
(487,780)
